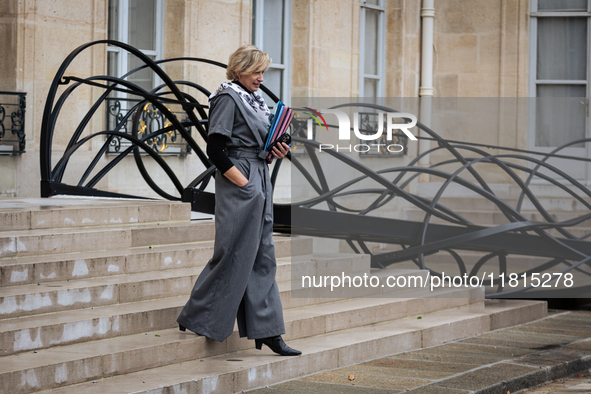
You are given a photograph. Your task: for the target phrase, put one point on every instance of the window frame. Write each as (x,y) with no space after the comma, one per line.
(381,49)
(123,30)
(258,13)
(534,82)
(533,49)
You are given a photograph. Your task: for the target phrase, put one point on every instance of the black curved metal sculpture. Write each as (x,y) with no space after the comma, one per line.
(357,226)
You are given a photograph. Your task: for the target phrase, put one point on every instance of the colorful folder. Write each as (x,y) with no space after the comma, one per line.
(282,116)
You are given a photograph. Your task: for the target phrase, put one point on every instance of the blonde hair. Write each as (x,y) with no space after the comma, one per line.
(247,60)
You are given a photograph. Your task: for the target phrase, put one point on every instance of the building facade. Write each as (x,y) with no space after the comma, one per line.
(320,48)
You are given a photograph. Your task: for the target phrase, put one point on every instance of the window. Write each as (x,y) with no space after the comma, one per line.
(559,72)
(371,48)
(271,23)
(137,23)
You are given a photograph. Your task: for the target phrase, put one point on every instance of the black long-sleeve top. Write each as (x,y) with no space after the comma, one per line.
(216,144)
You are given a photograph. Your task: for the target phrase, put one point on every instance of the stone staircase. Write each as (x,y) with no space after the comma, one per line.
(482,212)
(91,288)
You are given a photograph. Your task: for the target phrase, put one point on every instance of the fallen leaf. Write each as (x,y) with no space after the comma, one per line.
(157,335)
(419,317)
(351,377)
(580,375)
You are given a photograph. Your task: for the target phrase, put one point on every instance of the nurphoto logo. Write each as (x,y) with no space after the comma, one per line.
(408,121)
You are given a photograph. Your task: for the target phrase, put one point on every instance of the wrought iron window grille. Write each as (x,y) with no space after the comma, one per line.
(148,119)
(381,147)
(12,122)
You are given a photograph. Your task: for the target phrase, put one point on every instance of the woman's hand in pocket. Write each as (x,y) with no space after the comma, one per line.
(236,177)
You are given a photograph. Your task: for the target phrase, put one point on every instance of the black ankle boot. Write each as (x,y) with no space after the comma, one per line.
(277,345)
(183,328)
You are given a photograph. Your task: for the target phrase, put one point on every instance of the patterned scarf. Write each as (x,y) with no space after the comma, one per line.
(253,101)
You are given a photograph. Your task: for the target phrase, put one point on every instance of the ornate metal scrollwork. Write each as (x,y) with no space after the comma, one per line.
(14,142)
(2,117)
(381,147)
(148,120)
(148,125)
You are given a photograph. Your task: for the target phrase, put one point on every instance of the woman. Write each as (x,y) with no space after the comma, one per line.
(239,280)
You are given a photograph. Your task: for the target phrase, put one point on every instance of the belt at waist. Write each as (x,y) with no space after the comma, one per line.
(249,153)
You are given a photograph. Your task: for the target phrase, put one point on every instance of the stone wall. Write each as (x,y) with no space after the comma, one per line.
(481,49)
(45,33)
(403,48)
(325,48)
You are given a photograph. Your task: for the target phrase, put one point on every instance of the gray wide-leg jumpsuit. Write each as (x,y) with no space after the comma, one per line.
(239,281)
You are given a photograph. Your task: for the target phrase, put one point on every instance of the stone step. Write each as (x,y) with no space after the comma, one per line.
(27,300)
(503,191)
(495,218)
(551,204)
(45,242)
(300,322)
(69,240)
(115,366)
(516,263)
(579,232)
(71,266)
(33,299)
(46,213)
(471,257)
(82,265)
(444,262)
(68,327)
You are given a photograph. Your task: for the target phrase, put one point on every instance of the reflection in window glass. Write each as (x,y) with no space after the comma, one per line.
(142,26)
(113,33)
(134,22)
(562,5)
(112,63)
(371,51)
(560,114)
(371,41)
(254,22)
(273,29)
(113,67)
(270,24)
(143,78)
(370,88)
(559,74)
(562,48)
(273,81)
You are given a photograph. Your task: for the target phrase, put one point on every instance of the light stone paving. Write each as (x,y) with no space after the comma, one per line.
(577,383)
(94,301)
(471,365)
